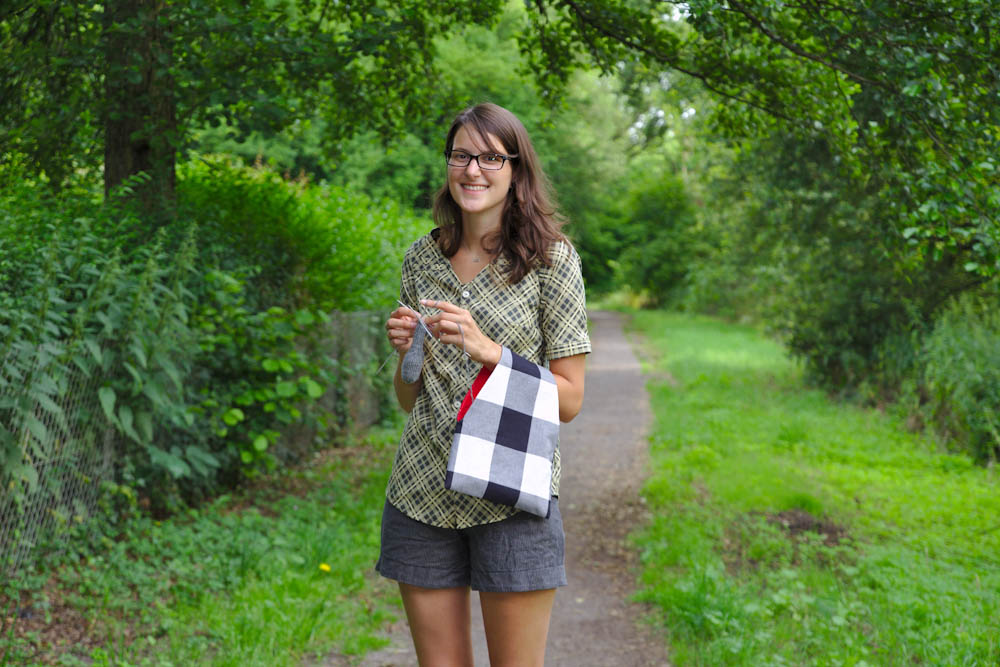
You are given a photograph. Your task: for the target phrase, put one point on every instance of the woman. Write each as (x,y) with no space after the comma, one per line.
(496,273)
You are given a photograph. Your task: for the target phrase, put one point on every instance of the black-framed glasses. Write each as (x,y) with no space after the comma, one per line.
(487,161)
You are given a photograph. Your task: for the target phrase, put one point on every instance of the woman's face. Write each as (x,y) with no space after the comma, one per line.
(475,190)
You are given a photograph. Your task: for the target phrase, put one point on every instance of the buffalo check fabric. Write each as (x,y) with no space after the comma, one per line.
(504,442)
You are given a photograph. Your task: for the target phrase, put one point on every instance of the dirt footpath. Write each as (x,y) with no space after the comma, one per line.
(603,459)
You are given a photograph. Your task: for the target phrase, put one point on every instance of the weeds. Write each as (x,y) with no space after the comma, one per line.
(270,576)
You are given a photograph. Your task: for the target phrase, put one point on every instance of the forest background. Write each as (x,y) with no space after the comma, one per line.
(188,191)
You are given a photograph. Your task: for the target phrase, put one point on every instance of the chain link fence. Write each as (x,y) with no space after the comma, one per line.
(70,460)
(78,449)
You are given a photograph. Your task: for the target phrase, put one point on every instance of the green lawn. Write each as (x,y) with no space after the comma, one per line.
(890,553)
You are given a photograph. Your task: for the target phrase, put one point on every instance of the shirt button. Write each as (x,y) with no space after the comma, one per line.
(465,294)
(458,403)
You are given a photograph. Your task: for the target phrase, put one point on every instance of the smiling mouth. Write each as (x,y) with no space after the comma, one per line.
(477,188)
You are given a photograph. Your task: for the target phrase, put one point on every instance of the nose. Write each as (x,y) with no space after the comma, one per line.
(473,166)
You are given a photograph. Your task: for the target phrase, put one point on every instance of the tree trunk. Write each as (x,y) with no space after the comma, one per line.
(140,118)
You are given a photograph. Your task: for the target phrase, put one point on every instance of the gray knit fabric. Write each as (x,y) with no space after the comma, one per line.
(413,361)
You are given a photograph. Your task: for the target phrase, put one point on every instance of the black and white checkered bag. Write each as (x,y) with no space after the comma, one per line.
(506,436)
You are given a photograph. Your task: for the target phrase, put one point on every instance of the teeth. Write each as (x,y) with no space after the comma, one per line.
(474,187)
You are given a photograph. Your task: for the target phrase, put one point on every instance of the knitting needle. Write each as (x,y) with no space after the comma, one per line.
(419,319)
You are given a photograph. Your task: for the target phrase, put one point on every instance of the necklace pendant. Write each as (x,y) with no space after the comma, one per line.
(476,260)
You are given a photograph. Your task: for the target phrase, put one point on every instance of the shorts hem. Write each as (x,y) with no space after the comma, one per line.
(414,575)
(542,579)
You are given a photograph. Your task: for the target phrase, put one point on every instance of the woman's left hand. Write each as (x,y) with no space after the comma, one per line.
(445,327)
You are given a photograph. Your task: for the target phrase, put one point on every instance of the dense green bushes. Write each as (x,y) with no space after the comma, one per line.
(811,254)
(658,233)
(202,341)
(780,234)
(961,375)
(315,244)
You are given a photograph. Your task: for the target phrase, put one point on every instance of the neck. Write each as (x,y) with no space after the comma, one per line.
(475,251)
(475,229)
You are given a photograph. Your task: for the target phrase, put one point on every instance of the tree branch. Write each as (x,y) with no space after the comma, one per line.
(802,53)
(638,46)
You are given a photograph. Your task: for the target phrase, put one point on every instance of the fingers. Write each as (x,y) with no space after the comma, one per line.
(404,311)
(447,312)
(399,328)
(456,326)
(451,325)
(442,305)
(448,323)
(401,325)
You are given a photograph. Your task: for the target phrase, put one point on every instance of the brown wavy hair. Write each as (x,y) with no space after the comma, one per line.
(530,222)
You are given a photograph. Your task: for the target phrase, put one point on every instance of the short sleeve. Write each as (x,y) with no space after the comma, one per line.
(563,304)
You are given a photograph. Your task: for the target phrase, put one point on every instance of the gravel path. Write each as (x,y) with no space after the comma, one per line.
(604,461)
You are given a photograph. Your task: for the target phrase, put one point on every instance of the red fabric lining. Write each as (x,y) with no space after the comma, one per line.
(470,396)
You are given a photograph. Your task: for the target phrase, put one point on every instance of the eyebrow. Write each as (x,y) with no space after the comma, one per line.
(491,151)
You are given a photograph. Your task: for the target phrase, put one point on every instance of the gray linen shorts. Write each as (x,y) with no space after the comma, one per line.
(521,553)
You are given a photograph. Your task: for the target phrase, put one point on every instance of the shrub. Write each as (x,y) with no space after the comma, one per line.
(197,345)
(659,238)
(962,374)
(315,244)
(141,331)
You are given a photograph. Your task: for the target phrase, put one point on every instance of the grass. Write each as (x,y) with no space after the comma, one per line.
(278,575)
(794,530)
(788,530)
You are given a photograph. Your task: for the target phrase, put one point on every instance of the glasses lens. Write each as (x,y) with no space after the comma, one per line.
(458,159)
(491,161)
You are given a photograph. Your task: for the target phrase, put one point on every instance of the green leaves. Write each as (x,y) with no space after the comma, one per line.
(233,416)
(962,377)
(261,67)
(271,383)
(171,461)
(903,97)
(313,238)
(107,397)
(285,389)
(313,388)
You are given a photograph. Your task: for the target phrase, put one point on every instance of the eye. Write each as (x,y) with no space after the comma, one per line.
(492,158)
(459,155)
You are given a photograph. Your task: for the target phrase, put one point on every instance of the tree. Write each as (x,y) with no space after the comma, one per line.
(903,93)
(659,234)
(126,80)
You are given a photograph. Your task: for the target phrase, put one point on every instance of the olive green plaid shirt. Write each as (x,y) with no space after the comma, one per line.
(542,317)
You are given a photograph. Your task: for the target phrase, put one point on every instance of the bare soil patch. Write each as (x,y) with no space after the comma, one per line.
(50,626)
(797,526)
(796,522)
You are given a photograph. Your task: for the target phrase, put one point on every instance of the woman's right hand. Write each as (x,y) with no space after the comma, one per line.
(399,328)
